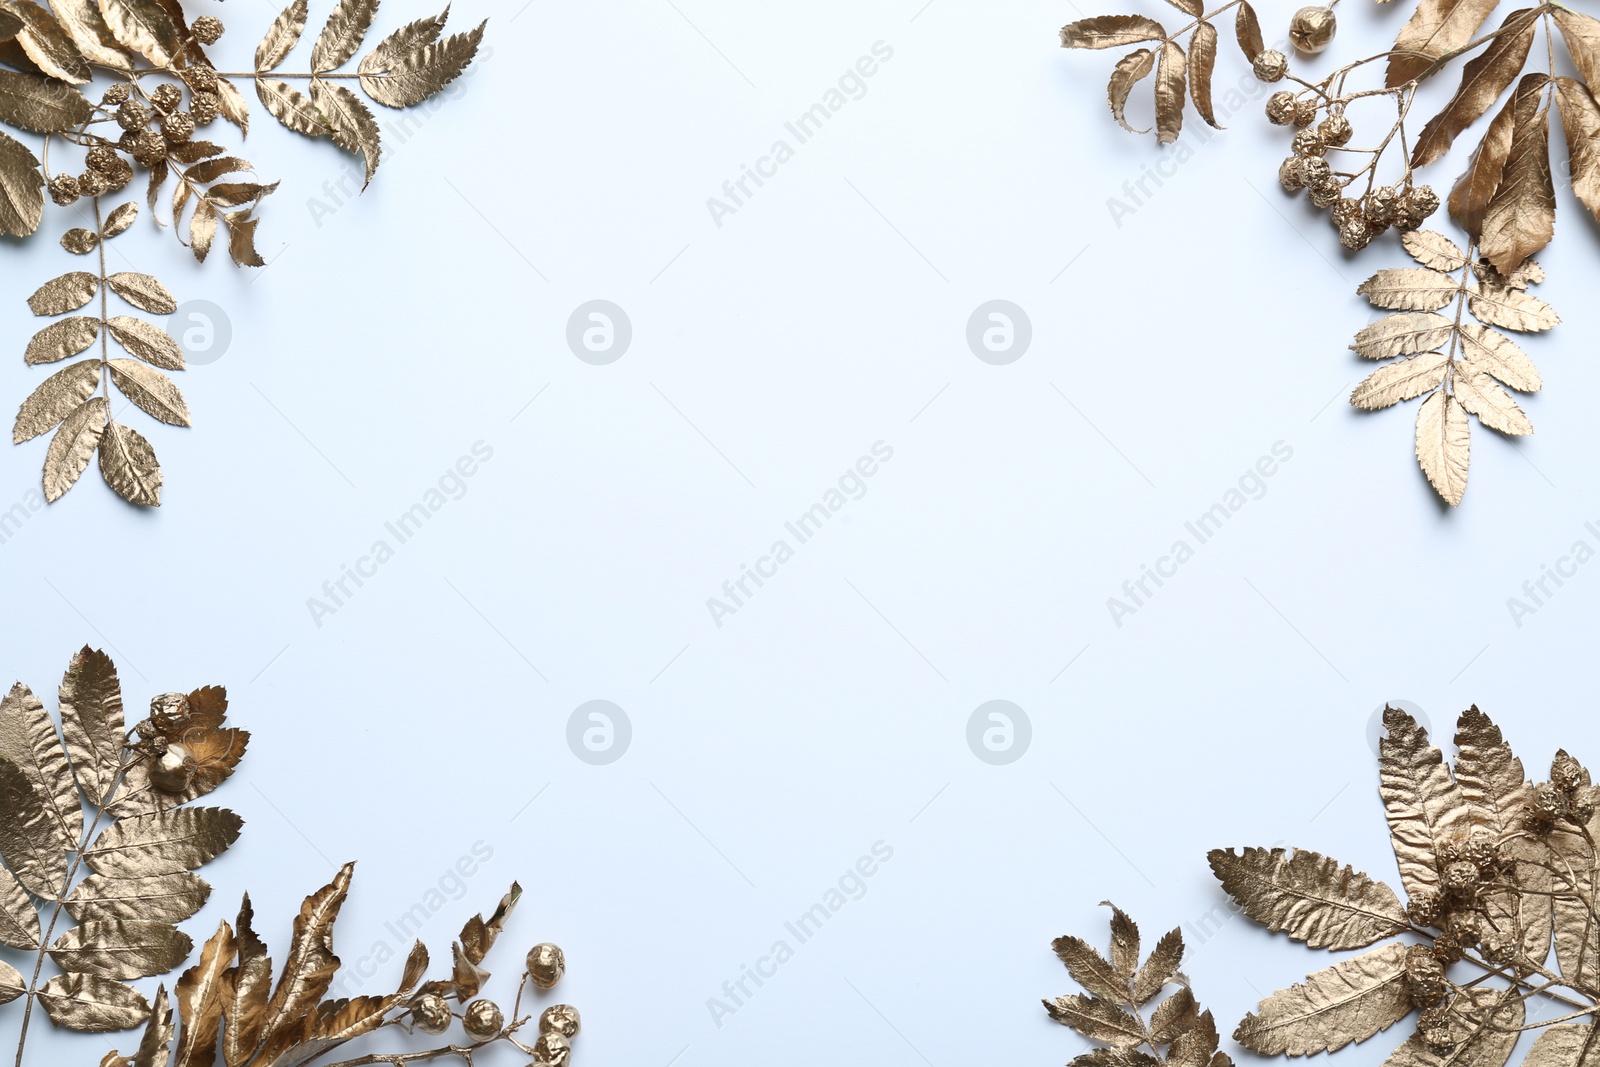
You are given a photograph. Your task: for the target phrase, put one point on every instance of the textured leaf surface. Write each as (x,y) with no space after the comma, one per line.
(1423,806)
(128,464)
(121,948)
(1348,1002)
(55,398)
(91,721)
(73,446)
(92,1005)
(163,842)
(1309,897)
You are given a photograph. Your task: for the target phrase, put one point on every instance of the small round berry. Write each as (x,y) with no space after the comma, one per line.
(553,1049)
(1356,233)
(132,115)
(1440,1039)
(560,1019)
(166,96)
(1305,113)
(205,107)
(150,148)
(1307,143)
(1325,193)
(1318,172)
(173,770)
(483,1020)
(200,79)
(63,189)
(1270,65)
(1424,908)
(1334,130)
(430,1014)
(1419,203)
(1424,976)
(91,183)
(1292,174)
(177,127)
(116,94)
(1567,774)
(1460,876)
(1312,28)
(546,965)
(1383,205)
(169,712)
(100,158)
(207,30)
(1281,108)
(118,175)
(1346,209)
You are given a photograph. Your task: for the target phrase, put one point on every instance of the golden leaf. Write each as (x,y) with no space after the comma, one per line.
(19,923)
(1402,335)
(1409,289)
(28,740)
(202,228)
(234,109)
(290,107)
(213,754)
(212,169)
(342,34)
(21,189)
(1202,58)
(163,842)
(121,948)
(1475,1041)
(157,1040)
(80,242)
(402,42)
(143,26)
(1562,1045)
(1089,969)
(1173,1016)
(479,934)
(147,341)
(1580,120)
(151,390)
(1309,897)
(1405,380)
(1192,8)
(1482,396)
(1195,1046)
(55,399)
(350,122)
(91,1004)
(128,464)
(91,722)
(1160,967)
(245,991)
(1433,250)
(1124,941)
(1102,31)
(1582,35)
(43,105)
(1470,196)
(87,28)
(165,897)
(1511,309)
(401,80)
(1443,451)
(201,993)
(1247,28)
(281,37)
(1436,28)
(120,219)
(47,44)
(1494,353)
(73,446)
(1170,79)
(1420,799)
(242,239)
(66,337)
(12,984)
(1521,215)
(1129,71)
(69,292)
(1482,82)
(1097,1019)
(232,194)
(310,966)
(1489,776)
(1350,1001)
(143,292)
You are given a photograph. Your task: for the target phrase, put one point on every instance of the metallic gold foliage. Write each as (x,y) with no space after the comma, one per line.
(1309,897)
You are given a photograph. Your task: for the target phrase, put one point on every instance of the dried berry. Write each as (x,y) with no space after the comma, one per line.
(553,1049)
(150,148)
(1281,108)
(560,1019)
(205,107)
(173,770)
(1382,206)
(1334,130)
(116,94)
(1356,233)
(1424,908)
(1318,171)
(1325,193)
(200,79)
(1292,174)
(1270,65)
(1307,143)
(1424,976)
(1567,774)
(90,183)
(1415,207)
(118,175)
(166,96)
(430,1013)
(1305,113)
(132,115)
(1460,876)
(100,158)
(207,30)
(483,1020)
(546,965)
(1312,28)
(1346,209)
(63,189)
(177,127)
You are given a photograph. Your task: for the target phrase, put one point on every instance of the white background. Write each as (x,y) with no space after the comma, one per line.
(829,713)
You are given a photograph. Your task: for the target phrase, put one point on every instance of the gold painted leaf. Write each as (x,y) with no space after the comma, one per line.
(1511,309)
(1129,71)
(211,169)
(1433,250)
(73,446)
(290,107)
(55,398)
(233,106)
(1443,452)
(1350,1001)
(402,42)
(1202,59)
(242,239)
(12,984)
(120,219)
(309,969)
(43,105)
(1196,1046)
(350,122)
(66,337)
(28,740)
(1561,1045)
(21,188)
(246,988)
(1436,27)
(1482,82)
(1192,8)
(1173,1016)
(79,241)
(19,922)
(152,391)
(128,464)
(1494,353)
(143,26)
(1409,289)
(201,994)
(1421,801)
(10,25)
(1405,380)
(1160,967)
(1091,970)
(1490,777)
(1582,36)
(1476,1042)
(232,194)
(69,292)
(1124,941)
(143,292)
(1247,28)
(154,1047)
(1309,897)
(91,1004)
(163,842)
(1402,335)
(168,898)
(91,722)
(281,37)
(214,753)
(121,948)
(1170,78)
(1109,1056)
(202,228)
(1097,1019)
(1470,196)
(31,839)
(147,341)
(1520,219)
(1102,31)
(1482,396)
(342,34)
(1580,121)
(479,934)
(87,28)
(47,44)
(401,80)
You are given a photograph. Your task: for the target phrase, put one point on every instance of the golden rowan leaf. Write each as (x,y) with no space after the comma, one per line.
(1409,289)
(290,107)
(73,446)
(1202,59)
(43,105)
(151,390)
(1097,1019)
(1483,1031)
(1350,1001)
(55,398)
(1433,250)
(120,218)
(1170,80)
(1247,28)
(1443,452)
(168,898)
(281,37)
(21,189)
(63,338)
(245,990)
(121,948)
(1470,196)
(242,239)
(1309,897)
(128,464)
(1090,969)
(402,79)
(143,292)
(19,923)
(91,722)
(1491,352)
(12,984)
(79,241)
(143,26)
(232,194)
(164,842)
(350,122)
(1421,801)
(91,1004)
(87,28)
(1482,81)
(47,44)
(1403,335)
(1490,777)
(147,341)
(1580,121)
(342,34)
(1562,1045)
(1160,967)
(1196,1046)
(233,106)
(1482,396)
(154,1047)
(1582,36)
(309,969)
(1520,219)
(212,169)
(1511,309)
(201,994)
(1577,935)
(1102,31)
(1436,28)
(31,839)
(202,228)
(1405,380)
(28,740)
(1124,941)
(69,292)
(1111,1056)
(1173,1016)
(479,934)
(1129,71)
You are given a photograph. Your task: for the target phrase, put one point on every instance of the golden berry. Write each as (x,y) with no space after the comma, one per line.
(546,965)
(483,1020)
(1312,28)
